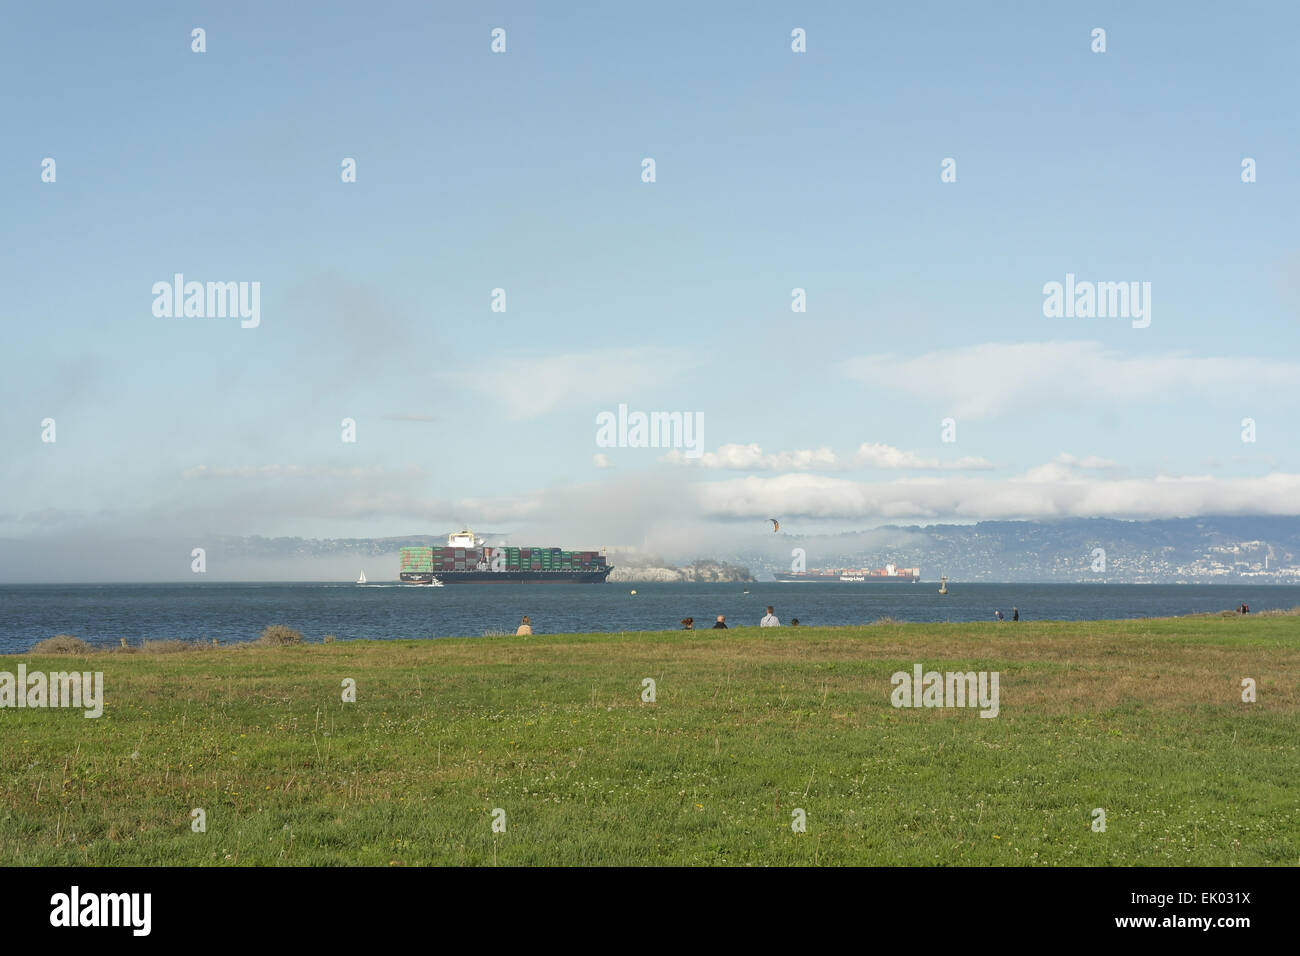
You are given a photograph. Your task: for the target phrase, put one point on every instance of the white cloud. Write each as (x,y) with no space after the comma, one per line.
(601,460)
(667,508)
(531,387)
(1066,467)
(751,458)
(1038,494)
(985,381)
(1088,461)
(874,455)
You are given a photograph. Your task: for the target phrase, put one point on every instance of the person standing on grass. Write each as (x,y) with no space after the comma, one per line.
(525,628)
(769,620)
(1015,614)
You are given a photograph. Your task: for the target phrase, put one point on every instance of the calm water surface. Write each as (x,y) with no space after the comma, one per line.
(101,614)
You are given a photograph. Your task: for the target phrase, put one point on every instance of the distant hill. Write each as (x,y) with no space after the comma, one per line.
(1264,550)
(702,571)
(1193,550)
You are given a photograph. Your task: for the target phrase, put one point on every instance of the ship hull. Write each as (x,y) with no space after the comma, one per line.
(509,576)
(788,578)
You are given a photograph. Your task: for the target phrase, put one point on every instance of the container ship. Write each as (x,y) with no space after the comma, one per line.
(886,575)
(466,558)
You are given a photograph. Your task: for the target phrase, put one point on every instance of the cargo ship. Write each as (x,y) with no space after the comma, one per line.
(889,574)
(467,559)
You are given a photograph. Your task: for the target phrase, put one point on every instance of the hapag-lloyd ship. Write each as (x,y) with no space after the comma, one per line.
(889,574)
(467,559)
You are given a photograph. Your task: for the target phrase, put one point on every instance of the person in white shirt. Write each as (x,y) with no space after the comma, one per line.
(769,620)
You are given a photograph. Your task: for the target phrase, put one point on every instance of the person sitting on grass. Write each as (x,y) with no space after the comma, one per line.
(769,620)
(720,624)
(526,628)
(688,624)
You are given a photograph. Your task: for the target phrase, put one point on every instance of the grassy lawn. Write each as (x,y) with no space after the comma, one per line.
(1143,719)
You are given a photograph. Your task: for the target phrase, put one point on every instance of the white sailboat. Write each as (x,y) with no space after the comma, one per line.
(362,579)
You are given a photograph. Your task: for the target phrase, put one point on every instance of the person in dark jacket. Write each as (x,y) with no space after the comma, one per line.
(1015,614)
(720,624)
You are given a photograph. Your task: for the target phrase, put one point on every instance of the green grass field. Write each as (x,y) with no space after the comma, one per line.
(1143,719)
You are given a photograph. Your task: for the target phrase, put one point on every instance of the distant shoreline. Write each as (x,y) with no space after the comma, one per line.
(868,587)
(63,645)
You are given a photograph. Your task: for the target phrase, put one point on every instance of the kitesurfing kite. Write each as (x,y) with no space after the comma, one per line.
(776,525)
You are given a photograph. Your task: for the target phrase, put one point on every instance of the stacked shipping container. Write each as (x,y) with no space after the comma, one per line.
(543,559)
(537,559)
(456,561)
(417,559)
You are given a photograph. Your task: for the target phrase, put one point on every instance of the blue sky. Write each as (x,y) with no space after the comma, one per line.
(522,171)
